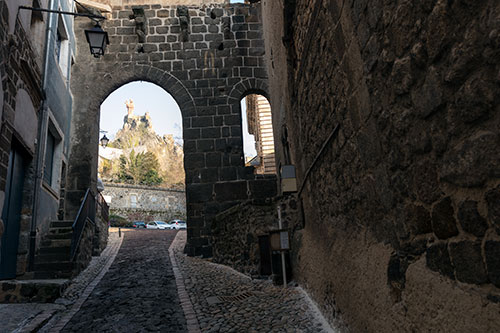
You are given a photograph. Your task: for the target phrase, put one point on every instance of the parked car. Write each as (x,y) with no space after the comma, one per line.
(157,225)
(139,224)
(177,224)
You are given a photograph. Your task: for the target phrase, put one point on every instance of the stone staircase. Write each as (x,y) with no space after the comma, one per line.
(53,260)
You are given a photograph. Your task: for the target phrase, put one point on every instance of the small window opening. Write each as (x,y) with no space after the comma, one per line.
(258,140)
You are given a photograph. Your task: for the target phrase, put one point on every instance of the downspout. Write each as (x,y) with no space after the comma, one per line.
(42,137)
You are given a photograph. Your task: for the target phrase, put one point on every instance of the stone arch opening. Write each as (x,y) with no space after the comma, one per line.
(255,111)
(90,94)
(142,166)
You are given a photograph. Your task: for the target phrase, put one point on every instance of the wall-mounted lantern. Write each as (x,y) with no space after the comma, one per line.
(96,37)
(104,141)
(98,40)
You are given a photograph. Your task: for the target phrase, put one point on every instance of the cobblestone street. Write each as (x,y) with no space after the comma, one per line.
(138,293)
(153,286)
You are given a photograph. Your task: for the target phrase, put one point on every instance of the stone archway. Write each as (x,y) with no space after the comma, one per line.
(204,65)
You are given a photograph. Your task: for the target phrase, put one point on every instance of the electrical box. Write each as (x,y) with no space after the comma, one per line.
(279,240)
(288,179)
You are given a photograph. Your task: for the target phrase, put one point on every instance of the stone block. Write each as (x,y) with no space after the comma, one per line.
(231,191)
(163,13)
(472,162)
(194,161)
(231,120)
(425,182)
(418,220)
(213,160)
(443,219)
(493,202)
(205,145)
(199,192)
(468,262)
(262,189)
(438,260)
(192,133)
(197,29)
(492,256)
(218,121)
(189,146)
(125,31)
(202,122)
(256,51)
(209,175)
(228,174)
(210,132)
(155,39)
(470,219)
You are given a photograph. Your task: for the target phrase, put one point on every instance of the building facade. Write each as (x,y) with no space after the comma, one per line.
(35,108)
(261,126)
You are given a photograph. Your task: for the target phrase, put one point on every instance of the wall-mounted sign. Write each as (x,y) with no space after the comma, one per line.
(280,240)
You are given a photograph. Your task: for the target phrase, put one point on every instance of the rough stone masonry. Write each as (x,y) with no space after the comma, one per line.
(207,57)
(390,112)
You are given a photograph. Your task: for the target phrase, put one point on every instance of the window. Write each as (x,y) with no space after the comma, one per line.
(49,158)
(133,201)
(62,46)
(53,156)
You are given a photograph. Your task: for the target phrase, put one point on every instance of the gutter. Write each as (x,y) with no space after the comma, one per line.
(40,148)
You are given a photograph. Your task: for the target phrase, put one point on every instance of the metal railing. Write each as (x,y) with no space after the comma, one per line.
(86,212)
(103,208)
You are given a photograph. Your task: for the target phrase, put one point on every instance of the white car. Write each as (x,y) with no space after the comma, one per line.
(177,224)
(157,225)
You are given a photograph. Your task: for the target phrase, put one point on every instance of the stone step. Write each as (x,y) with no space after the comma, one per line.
(62,230)
(53,275)
(56,242)
(61,224)
(61,266)
(52,257)
(52,250)
(26,291)
(59,236)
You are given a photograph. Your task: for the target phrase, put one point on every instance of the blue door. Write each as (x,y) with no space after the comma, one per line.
(11,214)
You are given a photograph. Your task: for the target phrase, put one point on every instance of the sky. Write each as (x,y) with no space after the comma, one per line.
(162,108)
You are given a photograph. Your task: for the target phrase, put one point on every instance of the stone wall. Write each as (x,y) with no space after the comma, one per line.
(207,57)
(392,119)
(21,95)
(236,231)
(121,196)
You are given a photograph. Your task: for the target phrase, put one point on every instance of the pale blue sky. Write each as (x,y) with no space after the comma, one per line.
(147,97)
(162,108)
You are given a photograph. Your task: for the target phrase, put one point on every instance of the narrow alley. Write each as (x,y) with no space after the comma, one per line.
(140,293)
(348,149)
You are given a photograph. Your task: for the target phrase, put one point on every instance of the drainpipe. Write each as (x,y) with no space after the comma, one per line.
(42,137)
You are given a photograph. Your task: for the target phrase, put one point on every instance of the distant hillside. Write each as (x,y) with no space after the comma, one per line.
(124,157)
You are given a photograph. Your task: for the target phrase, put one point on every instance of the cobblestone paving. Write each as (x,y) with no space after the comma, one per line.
(250,305)
(138,293)
(79,283)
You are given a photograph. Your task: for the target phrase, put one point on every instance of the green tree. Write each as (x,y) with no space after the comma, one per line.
(140,168)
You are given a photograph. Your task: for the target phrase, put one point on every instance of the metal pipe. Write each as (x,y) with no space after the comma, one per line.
(40,147)
(283,266)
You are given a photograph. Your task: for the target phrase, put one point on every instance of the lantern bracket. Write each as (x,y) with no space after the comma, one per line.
(89,15)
